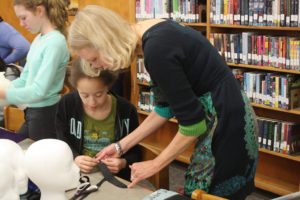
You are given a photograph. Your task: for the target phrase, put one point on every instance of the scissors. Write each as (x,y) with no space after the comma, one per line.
(84,188)
(107,177)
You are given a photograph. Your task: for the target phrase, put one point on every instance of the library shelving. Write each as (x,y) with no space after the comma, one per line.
(276,172)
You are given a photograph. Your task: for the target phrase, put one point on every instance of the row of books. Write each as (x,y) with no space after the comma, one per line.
(278,136)
(178,10)
(261,50)
(146,100)
(142,74)
(284,13)
(274,135)
(269,89)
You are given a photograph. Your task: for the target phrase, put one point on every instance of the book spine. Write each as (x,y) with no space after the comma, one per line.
(265,134)
(251,7)
(288,13)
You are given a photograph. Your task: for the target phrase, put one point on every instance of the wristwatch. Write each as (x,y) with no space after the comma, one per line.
(118,148)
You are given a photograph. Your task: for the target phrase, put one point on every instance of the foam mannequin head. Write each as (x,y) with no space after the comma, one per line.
(49,164)
(8,185)
(12,155)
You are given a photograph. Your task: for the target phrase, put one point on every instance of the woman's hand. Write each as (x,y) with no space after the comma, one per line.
(141,171)
(108,152)
(85,163)
(114,164)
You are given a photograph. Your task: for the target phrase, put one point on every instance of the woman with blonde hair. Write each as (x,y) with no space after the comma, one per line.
(43,75)
(190,81)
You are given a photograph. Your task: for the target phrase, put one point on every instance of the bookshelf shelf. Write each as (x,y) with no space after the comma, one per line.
(274,185)
(294,112)
(196,24)
(184,157)
(147,113)
(277,173)
(143,84)
(289,157)
(263,68)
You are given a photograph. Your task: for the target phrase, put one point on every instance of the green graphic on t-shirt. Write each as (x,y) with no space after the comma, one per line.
(98,133)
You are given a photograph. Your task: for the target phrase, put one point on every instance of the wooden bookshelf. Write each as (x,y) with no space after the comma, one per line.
(187,154)
(276,172)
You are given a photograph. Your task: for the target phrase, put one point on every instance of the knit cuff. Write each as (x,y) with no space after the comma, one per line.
(165,112)
(193,130)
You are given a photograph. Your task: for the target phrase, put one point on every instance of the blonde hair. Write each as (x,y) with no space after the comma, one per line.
(56,11)
(108,33)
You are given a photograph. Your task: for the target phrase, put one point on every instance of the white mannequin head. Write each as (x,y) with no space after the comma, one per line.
(8,185)
(11,154)
(49,164)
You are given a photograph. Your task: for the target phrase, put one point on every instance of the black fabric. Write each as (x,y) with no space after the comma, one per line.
(34,195)
(2,65)
(178,197)
(33,192)
(70,108)
(109,177)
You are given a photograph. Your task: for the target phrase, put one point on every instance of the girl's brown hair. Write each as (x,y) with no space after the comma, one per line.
(56,11)
(106,76)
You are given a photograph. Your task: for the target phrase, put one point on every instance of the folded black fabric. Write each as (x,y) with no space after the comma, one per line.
(178,197)
(108,176)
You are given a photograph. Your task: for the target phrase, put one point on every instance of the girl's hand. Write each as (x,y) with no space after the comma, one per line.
(114,164)
(141,171)
(108,152)
(85,163)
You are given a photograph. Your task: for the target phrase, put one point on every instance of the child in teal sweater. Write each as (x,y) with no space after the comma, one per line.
(43,76)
